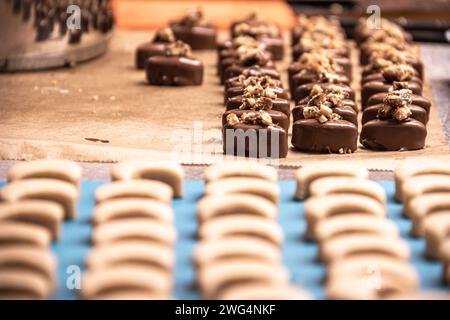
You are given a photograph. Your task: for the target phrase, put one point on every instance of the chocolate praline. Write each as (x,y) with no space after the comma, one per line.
(416,100)
(235,70)
(225,63)
(254,71)
(379,77)
(174,71)
(198,37)
(298,50)
(304,90)
(373,87)
(312,77)
(147,50)
(417,113)
(345,102)
(278,104)
(344,65)
(391,135)
(346,112)
(278,118)
(250,140)
(337,136)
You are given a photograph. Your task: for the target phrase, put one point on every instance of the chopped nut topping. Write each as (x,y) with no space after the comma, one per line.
(260,103)
(257,90)
(377,64)
(252,56)
(245,41)
(322,114)
(396,105)
(259,117)
(398,72)
(256,28)
(398,85)
(263,81)
(332,97)
(179,48)
(164,35)
(194,17)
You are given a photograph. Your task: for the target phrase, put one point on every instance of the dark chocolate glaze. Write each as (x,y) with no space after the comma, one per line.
(301,92)
(374,87)
(254,71)
(379,77)
(346,112)
(174,71)
(226,63)
(331,137)
(148,50)
(281,105)
(391,135)
(239,90)
(416,100)
(245,140)
(311,77)
(275,46)
(278,118)
(417,113)
(198,37)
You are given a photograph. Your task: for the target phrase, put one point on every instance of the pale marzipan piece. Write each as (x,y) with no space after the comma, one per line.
(372,267)
(148,189)
(64,170)
(61,192)
(167,172)
(133,208)
(320,208)
(253,186)
(306,175)
(416,186)
(421,206)
(218,275)
(132,251)
(95,282)
(230,204)
(44,213)
(335,226)
(261,291)
(12,232)
(407,171)
(31,284)
(230,226)
(139,229)
(31,258)
(347,245)
(236,247)
(348,185)
(436,227)
(242,169)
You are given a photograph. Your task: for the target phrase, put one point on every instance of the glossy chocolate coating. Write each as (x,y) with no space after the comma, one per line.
(374,87)
(417,113)
(379,77)
(301,92)
(245,140)
(311,77)
(391,135)
(281,105)
(228,62)
(312,136)
(148,50)
(174,71)
(239,90)
(278,118)
(416,100)
(253,71)
(346,112)
(275,46)
(198,37)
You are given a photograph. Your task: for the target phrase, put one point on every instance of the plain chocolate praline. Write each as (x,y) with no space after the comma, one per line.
(278,118)
(174,71)
(338,136)
(303,91)
(239,90)
(417,100)
(278,104)
(391,135)
(345,111)
(417,113)
(374,87)
(245,140)
(198,37)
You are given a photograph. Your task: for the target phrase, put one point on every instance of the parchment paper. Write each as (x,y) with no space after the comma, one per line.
(103,111)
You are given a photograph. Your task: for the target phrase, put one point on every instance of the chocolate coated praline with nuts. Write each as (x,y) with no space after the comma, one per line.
(157,47)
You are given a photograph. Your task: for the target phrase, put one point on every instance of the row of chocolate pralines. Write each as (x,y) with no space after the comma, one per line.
(168,58)
(325,116)
(257,117)
(46,14)
(395,113)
